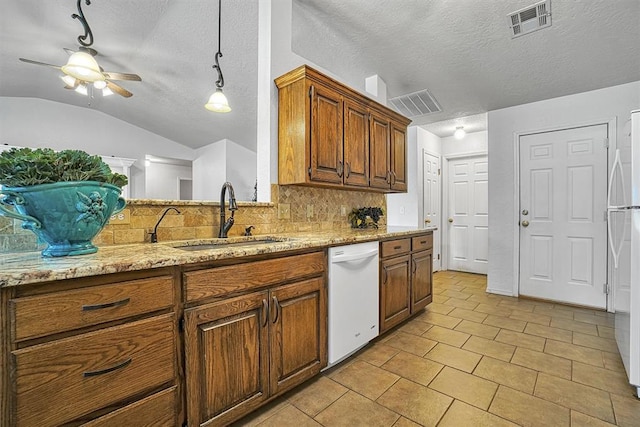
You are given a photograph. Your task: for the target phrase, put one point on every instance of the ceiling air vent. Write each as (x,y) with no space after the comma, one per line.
(531,18)
(415,104)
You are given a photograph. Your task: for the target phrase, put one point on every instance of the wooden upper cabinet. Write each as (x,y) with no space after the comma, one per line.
(356,144)
(326,135)
(332,136)
(398,161)
(380,156)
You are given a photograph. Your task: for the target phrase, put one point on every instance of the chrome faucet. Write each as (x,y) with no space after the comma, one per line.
(154,234)
(225,226)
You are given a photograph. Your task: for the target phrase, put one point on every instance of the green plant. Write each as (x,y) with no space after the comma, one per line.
(21,167)
(365,217)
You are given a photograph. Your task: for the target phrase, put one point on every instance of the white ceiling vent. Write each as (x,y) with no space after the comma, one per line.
(415,104)
(530,18)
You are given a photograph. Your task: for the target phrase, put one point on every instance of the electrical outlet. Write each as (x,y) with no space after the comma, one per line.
(284,211)
(343,210)
(123,217)
(309,211)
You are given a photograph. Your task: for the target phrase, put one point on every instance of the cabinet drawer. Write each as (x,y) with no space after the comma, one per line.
(60,381)
(217,282)
(420,243)
(157,410)
(395,247)
(42,315)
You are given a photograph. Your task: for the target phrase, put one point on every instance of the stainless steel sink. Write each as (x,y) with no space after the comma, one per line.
(224,243)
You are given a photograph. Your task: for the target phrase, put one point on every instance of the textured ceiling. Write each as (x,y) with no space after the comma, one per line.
(460,50)
(169,43)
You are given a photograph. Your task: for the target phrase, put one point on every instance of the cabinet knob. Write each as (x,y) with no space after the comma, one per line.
(450,219)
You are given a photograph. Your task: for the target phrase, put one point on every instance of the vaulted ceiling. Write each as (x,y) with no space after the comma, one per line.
(461,51)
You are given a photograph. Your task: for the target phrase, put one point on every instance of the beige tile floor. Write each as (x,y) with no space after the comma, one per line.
(472,359)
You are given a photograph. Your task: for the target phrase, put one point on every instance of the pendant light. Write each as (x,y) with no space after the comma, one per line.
(217,101)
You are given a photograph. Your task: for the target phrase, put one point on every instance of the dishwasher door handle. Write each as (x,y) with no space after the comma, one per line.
(354,257)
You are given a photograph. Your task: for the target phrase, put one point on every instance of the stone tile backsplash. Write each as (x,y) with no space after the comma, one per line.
(293,208)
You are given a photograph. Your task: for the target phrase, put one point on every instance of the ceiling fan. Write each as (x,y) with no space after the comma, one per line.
(82,72)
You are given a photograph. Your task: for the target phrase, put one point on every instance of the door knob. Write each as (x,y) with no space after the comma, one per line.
(525,223)
(525,212)
(450,219)
(428,221)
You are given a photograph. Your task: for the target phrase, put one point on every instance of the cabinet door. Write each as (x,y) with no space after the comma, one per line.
(394,291)
(421,276)
(398,158)
(298,334)
(356,144)
(326,135)
(380,129)
(226,354)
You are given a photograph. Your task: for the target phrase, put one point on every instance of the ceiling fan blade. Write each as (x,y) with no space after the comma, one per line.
(30,61)
(122,76)
(119,89)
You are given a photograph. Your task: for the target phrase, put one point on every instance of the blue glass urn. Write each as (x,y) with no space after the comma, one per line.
(65,215)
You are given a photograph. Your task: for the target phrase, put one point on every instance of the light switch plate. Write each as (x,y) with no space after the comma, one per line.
(309,211)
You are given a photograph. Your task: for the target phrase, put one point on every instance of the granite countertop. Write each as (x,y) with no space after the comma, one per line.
(30,267)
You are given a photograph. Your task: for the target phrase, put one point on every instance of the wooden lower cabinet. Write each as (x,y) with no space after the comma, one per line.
(421,278)
(96,351)
(242,351)
(406,275)
(395,304)
(226,356)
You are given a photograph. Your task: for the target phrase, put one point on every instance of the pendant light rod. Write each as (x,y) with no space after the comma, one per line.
(87,30)
(220,81)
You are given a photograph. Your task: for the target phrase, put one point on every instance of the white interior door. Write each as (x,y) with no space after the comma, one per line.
(431,202)
(468,221)
(563,231)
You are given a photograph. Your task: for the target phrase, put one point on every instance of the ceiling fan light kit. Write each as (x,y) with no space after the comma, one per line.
(82,72)
(218,101)
(83,67)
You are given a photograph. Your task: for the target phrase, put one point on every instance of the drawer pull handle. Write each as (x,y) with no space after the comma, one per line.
(106,305)
(105,371)
(423,242)
(397,247)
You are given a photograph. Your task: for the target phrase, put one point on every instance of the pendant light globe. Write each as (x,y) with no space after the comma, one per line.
(218,102)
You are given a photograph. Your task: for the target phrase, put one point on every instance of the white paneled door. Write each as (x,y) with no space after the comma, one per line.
(431,202)
(468,223)
(563,229)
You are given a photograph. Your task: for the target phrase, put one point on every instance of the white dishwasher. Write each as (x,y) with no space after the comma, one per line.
(353,298)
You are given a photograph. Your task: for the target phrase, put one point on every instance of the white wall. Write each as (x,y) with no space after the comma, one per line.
(162,180)
(31,122)
(241,170)
(472,143)
(220,162)
(209,171)
(598,106)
